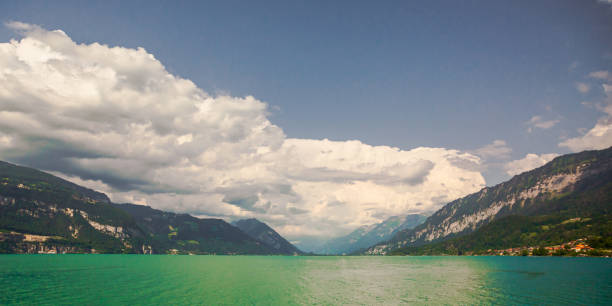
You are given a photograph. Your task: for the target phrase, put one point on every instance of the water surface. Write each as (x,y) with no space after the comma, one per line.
(279,280)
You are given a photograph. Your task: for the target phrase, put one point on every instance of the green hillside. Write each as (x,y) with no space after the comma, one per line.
(41,213)
(567,199)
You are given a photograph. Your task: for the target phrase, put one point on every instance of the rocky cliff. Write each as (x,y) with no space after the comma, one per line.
(531,193)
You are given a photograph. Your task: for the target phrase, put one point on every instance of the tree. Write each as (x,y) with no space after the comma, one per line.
(540,252)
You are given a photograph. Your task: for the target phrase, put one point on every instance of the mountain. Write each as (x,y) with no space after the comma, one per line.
(309,244)
(266,235)
(368,235)
(568,198)
(41,213)
(184,233)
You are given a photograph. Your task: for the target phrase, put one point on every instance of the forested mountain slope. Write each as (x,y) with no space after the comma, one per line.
(41,213)
(569,187)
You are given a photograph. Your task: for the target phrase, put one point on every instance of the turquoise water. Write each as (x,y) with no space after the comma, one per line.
(277,280)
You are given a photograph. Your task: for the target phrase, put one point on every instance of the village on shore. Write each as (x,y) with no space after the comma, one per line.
(575,248)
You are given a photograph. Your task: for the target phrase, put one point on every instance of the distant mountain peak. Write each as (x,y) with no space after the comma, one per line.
(367,235)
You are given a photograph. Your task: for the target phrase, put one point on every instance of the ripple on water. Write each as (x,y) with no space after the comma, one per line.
(277,280)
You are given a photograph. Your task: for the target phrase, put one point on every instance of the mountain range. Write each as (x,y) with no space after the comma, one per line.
(369,235)
(41,213)
(568,198)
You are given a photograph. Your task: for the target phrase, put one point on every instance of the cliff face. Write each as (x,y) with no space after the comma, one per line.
(77,219)
(17,243)
(525,194)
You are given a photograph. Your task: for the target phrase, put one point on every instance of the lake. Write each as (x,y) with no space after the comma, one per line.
(302,280)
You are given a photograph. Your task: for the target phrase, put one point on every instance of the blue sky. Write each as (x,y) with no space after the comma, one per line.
(431,73)
(448,74)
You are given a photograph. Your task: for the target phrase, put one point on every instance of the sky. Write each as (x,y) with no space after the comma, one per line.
(314,116)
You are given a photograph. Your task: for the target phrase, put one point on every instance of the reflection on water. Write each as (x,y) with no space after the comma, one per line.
(277,280)
(397,280)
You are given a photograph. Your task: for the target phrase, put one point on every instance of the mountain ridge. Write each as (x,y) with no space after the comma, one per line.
(525,194)
(41,213)
(266,235)
(368,235)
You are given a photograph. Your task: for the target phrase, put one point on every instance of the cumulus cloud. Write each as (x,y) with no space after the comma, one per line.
(529,162)
(498,149)
(540,123)
(600,136)
(114,119)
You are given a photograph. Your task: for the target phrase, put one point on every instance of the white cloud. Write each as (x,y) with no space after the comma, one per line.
(600,136)
(498,149)
(597,138)
(114,119)
(583,87)
(602,75)
(540,123)
(529,162)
